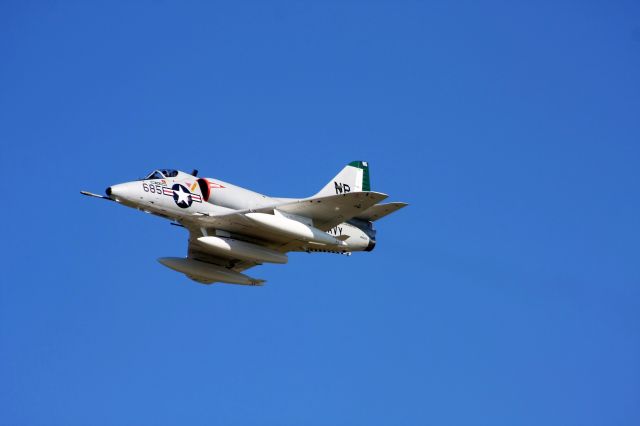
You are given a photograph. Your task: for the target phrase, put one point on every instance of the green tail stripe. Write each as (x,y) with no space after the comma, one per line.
(366,184)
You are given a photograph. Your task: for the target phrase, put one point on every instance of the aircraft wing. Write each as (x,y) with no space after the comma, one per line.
(203,266)
(197,252)
(327,212)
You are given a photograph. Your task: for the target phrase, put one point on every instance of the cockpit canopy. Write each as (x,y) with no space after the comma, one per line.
(161,174)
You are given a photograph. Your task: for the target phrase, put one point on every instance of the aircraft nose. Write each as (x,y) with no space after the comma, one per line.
(120,192)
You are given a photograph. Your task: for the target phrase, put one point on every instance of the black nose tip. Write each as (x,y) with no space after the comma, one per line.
(108,191)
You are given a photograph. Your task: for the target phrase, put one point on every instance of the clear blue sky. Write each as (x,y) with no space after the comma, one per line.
(508,293)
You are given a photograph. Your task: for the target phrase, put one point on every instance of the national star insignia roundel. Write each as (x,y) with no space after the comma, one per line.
(181,196)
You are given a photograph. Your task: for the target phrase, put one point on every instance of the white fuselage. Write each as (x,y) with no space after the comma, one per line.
(183,195)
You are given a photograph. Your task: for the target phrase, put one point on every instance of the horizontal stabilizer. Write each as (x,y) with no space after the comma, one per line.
(379,211)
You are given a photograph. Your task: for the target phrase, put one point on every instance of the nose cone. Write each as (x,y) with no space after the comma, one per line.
(120,192)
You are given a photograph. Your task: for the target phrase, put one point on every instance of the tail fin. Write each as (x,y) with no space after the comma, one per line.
(353,178)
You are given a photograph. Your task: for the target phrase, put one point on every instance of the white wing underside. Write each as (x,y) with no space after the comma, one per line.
(324,212)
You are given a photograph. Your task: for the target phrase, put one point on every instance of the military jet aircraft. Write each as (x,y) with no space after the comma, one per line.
(232,229)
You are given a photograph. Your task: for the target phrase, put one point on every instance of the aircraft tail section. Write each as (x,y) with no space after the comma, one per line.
(353,178)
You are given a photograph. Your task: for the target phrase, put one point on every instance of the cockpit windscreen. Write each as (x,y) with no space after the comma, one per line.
(161,174)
